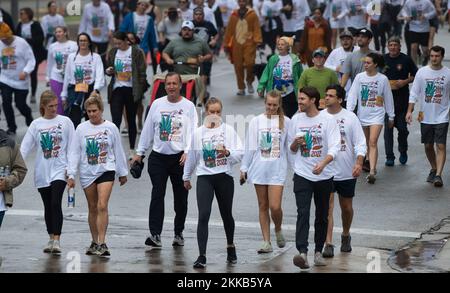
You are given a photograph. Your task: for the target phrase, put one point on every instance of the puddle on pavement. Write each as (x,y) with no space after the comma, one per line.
(416,256)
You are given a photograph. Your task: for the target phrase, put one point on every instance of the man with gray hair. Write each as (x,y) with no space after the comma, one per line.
(400,70)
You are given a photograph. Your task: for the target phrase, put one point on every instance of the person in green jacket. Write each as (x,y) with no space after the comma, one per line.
(281,74)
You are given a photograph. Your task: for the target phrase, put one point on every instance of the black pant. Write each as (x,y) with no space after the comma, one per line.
(160,168)
(223,186)
(304,190)
(52,198)
(101,50)
(123,97)
(20,97)
(379,35)
(402,128)
(34,79)
(290,105)
(75,109)
(2,215)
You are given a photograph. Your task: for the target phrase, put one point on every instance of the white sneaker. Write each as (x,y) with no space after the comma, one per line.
(281,242)
(48,248)
(56,248)
(266,247)
(319,261)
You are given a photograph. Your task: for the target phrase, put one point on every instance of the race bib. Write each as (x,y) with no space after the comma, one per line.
(379,101)
(8,52)
(124,76)
(81,87)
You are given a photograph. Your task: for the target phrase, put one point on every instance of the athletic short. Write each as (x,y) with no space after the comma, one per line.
(345,188)
(205,68)
(108,176)
(434,133)
(434,22)
(419,38)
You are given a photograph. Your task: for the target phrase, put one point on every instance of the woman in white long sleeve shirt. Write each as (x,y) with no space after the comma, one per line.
(265,165)
(99,153)
(372,92)
(56,62)
(83,75)
(49,23)
(215,148)
(51,136)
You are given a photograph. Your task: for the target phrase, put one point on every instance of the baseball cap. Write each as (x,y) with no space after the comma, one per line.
(346,33)
(365,32)
(318,52)
(188,24)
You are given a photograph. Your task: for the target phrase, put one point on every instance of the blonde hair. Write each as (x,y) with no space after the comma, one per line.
(212,101)
(46,97)
(280,112)
(287,40)
(94,99)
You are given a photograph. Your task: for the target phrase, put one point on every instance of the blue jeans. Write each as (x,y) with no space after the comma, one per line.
(2,214)
(402,127)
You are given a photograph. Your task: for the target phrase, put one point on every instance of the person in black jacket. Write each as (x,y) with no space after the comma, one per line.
(32,32)
(6,18)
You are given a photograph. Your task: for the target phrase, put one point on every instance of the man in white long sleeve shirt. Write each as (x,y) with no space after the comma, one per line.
(348,165)
(336,59)
(168,128)
(98,21)
(314,142)
(17,63)
(431,88)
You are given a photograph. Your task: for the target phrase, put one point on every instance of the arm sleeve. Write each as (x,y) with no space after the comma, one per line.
(352,98)
(50,62)
(68,71)
(28,142)
(147,133)
(74,156)
(99,73)
(191,126)
(250,145)
(191,161)
(83,22)
(18,170)
(334,138)
(124,26)
(302,80)
(430,11)
(236,149)
(331,61)
(347,67)
(359,140)
(416,89)
(71,146)
(111,24)
(31,61)
(389,99)
(119,154)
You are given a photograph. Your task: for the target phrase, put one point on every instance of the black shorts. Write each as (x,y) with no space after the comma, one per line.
(108,176)
(434,22)
(205,68)
(419,38)
(298,36)
(345,188)
(434,133)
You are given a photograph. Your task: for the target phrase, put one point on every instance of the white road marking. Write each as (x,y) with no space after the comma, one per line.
(240,224)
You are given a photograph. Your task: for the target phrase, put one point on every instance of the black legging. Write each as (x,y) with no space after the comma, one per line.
(76,112)
(123,97)
(52,198)
(223,186)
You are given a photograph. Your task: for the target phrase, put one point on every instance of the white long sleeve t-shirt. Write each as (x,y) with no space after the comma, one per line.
(53,141)
(431,89)
(322,138)
(83,69)
(415,9)
(168,127)
(204,155)
(352,144)
(16,58)
(97,21)
(373,95)
(266,151)
(58,54)
(97,149)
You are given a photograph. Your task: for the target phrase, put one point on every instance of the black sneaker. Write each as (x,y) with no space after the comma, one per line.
(346,243)
(438,181)
(103,250)
(231,255)
(200,263)
(92,250)
(431,176)
(153,241)
(328,251)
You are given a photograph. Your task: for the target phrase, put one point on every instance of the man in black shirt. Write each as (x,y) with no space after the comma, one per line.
(400,70)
